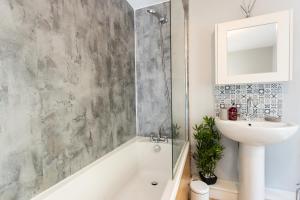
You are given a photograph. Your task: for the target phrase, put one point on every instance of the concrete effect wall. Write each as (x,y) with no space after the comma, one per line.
(153,80)
(67,88)
(282,160)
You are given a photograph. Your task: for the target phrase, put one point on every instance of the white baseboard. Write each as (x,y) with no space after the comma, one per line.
(227,190)
(274,194)
(224,190)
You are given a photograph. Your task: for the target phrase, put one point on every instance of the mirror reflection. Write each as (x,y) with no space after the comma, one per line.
(252,50)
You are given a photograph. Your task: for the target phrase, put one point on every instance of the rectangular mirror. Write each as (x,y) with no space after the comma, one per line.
(254,50)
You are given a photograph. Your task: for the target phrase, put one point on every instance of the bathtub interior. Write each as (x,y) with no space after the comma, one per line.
(154,170)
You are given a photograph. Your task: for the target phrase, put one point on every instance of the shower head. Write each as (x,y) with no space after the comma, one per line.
(151,11)
(162,20)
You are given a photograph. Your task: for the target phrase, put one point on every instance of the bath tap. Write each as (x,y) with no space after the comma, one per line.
(159,138)
(154,139)
(160,132)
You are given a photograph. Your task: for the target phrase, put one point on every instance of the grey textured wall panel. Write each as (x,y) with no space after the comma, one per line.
(153,79)
(67,88)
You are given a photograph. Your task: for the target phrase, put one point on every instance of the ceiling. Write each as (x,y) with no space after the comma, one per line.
(137,4)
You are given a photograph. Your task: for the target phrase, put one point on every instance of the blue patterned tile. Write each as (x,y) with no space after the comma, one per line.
(267,98)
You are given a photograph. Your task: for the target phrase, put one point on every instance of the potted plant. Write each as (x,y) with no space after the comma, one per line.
(208,149)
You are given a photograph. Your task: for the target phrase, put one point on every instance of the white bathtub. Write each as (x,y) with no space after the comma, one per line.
(123,174)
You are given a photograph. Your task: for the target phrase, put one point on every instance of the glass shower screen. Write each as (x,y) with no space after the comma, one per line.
(179,81)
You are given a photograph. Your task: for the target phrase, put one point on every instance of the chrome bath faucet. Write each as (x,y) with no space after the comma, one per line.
(159,138)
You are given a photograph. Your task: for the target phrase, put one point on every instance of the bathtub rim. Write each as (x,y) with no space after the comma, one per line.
(177,164)
(172,187)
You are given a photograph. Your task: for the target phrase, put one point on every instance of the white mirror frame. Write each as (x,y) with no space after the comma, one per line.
(284,23)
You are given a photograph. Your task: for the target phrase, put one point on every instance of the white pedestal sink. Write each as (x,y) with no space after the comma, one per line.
(253,136)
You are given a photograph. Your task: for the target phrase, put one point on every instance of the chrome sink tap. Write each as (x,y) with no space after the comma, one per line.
(249,114)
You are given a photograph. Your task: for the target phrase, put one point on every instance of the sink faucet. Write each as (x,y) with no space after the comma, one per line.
(249,113)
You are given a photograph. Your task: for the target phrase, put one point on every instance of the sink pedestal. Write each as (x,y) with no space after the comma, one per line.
(252,172)
(253,136)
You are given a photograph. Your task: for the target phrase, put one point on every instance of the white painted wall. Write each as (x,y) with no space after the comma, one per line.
(282,160)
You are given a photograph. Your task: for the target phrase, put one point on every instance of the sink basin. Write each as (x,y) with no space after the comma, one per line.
(253,136)
(256,132)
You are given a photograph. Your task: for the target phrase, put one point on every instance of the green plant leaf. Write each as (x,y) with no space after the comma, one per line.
(208,147)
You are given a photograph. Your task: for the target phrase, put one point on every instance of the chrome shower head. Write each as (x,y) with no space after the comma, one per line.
(162,20)
(151,11)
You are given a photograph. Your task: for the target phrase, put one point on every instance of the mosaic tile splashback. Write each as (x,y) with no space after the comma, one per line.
(266,99)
